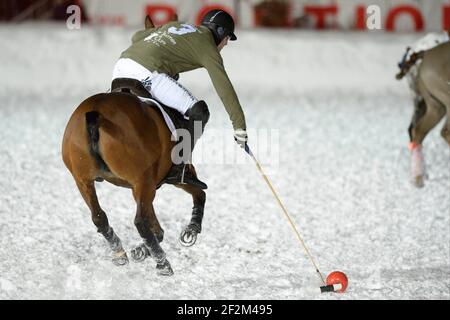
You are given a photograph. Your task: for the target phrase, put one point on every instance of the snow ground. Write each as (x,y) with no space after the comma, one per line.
(341,121)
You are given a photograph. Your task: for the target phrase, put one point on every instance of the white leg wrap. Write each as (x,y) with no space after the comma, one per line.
(417,163)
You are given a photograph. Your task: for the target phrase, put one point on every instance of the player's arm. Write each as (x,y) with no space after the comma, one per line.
(222,84)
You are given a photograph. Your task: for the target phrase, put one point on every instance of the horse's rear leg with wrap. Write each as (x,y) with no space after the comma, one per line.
(148,226)
(87,190)
(84,168)
(435,81)
(427,115)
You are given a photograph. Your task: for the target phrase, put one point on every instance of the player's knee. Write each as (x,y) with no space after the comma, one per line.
(199,112)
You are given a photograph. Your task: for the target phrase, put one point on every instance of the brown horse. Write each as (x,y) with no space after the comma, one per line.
(432,102)
(118,138)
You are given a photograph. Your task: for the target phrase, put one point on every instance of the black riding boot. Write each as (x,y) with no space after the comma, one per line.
(181,173)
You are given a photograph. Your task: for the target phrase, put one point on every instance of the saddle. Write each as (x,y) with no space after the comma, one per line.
(135,87)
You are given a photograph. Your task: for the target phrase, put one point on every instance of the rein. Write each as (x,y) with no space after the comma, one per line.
(406,65)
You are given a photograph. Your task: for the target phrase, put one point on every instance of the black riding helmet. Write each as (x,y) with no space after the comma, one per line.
(220,23)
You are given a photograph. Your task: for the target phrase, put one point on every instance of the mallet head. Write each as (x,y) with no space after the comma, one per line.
(337,281)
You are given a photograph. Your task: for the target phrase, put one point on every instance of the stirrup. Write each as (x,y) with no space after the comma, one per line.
(183,176)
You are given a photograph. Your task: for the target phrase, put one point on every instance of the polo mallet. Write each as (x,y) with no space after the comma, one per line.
(336,281)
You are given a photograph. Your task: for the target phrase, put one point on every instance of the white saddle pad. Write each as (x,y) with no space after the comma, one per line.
(169,121)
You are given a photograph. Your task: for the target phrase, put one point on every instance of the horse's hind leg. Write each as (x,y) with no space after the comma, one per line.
(434,112)
(418,130)
(87,190)
(147,225)
(420,109)
(189,234)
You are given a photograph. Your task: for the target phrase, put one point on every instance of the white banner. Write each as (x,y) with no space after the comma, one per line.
(389,15)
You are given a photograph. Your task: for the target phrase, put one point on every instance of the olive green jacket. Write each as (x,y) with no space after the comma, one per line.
(179,47)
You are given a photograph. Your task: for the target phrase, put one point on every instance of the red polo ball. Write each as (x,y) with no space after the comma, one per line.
(338,278)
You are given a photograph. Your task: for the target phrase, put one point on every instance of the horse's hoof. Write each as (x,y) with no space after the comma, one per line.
(188,236)
(164,269)
(120,258)
(140,253)
(419,182)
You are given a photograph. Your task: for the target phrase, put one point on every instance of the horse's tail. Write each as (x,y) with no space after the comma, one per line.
(92,125)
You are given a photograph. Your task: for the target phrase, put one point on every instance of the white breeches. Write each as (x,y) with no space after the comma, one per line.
(162,87)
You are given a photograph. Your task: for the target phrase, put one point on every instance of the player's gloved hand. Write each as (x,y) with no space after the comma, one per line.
(241,137)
